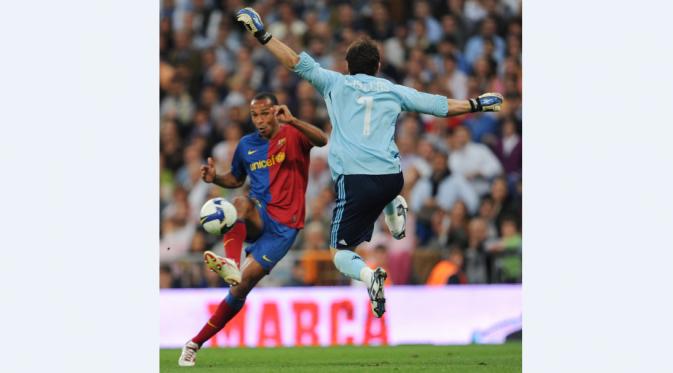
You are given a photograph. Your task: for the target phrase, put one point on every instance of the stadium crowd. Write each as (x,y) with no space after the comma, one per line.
(462,175)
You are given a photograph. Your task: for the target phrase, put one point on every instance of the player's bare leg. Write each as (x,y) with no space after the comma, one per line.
(252,273)
(251,226)
(351,264)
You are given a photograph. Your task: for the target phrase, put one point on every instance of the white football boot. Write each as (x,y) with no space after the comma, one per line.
(188,355)
(375,289)
(225,267)
(397,223)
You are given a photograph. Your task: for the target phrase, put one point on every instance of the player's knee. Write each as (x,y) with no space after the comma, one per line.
(243,207)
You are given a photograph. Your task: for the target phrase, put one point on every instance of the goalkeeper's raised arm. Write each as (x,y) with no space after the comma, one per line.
(252,22)
(322,79)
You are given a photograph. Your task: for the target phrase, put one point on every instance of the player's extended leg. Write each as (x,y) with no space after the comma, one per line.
(232,303)
(351,264)
(360,199)
(249,224)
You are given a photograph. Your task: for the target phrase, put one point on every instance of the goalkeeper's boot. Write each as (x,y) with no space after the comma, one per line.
(225,267)
(188,355)
(397,222)
(375,289)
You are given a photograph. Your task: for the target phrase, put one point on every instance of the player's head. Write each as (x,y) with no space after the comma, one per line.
(461,137)
(363,57)
(263,114)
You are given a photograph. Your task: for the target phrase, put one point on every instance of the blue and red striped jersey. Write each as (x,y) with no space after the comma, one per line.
(278,171)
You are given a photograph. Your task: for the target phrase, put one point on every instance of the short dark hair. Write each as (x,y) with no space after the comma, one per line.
(363,57)
(266,96)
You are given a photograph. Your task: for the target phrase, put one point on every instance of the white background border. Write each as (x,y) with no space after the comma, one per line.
(79,205)
(79,219)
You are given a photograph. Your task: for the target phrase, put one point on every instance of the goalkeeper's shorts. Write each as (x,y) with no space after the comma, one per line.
(360,199)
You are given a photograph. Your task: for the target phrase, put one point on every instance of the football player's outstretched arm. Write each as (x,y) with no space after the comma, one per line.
(486,102)
(441,106)
(252,22)
(286,55)
(315,135)
(228,180)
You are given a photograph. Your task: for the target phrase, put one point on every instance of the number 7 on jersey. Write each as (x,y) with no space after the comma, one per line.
(368,102)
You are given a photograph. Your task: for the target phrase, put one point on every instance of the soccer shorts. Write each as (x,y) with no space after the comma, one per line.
(274,242)
(359,202)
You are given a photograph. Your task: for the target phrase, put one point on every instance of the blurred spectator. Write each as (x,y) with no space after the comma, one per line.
(488,213)
(288,25)
(503,202)
(476,44)
(434,29)
(472,160)
(178,104)
(165,277)
(508,149)
(316,259)
(442,188)
(455,80)
(477,266)
(319,176)
(448,271)
(298,275)
(198,245)
(380,28)
(457,232)
(507,250)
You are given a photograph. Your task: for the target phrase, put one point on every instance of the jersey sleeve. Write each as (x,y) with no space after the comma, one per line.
(321,79)
(238,168)
(420,102)
(302,139)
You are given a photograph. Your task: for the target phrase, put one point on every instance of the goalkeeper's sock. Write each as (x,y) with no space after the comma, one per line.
(224,312)
(233,242)
(352,265)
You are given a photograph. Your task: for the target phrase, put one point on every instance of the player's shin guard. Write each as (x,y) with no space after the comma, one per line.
(352,265)
(233,242)
(225,312)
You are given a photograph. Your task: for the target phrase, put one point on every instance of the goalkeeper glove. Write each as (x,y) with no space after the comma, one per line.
(486,102)
(253,23)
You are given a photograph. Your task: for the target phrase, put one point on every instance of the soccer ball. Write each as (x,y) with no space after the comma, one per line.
(218,216)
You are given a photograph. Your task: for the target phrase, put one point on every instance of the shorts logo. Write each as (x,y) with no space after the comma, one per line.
(267,259)
(264,163)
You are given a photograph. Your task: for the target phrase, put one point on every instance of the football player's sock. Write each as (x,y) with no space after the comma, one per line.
(225,312)
(233,241)
(366,275)
(352,265)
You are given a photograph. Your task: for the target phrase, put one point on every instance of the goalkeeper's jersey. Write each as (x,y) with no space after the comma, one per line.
(363,110)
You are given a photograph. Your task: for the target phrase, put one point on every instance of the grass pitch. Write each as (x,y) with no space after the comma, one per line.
(454,359)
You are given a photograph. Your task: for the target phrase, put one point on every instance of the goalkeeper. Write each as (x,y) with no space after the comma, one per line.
(363,157)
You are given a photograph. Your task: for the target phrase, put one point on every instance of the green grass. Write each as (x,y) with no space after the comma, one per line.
(455,359)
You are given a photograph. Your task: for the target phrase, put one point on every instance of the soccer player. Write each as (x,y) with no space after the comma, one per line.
(276,158)
(363,157)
